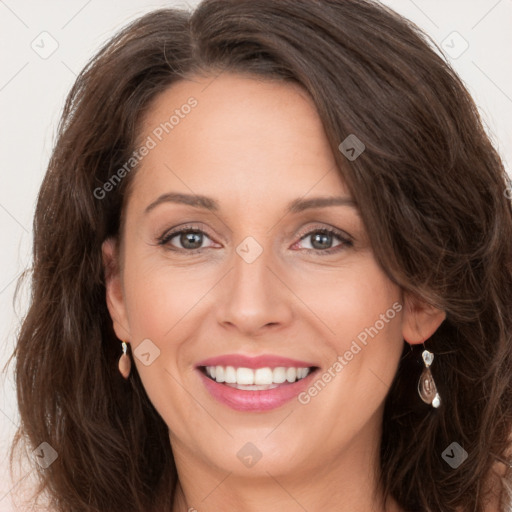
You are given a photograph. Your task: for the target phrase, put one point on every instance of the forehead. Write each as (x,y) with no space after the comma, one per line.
(243,134)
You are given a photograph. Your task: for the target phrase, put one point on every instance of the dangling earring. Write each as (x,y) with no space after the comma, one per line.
(426,385)
(125,364)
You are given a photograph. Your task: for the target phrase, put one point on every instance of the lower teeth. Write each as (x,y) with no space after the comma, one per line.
(252,387)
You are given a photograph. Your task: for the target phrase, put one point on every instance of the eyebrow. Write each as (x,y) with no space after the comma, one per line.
(207,203)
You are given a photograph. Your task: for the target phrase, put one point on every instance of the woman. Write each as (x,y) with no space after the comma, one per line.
(272,271)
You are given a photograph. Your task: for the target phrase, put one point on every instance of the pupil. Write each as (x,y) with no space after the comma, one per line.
(187,240)
(324,239)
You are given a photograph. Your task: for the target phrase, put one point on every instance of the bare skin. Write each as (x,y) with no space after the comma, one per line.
(254,146)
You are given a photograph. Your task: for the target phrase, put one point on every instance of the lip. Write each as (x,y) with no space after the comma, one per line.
(260,400)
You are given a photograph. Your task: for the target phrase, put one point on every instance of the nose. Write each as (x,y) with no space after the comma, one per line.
(255,296)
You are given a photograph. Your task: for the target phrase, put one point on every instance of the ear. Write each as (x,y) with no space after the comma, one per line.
(114,290)
(420,320)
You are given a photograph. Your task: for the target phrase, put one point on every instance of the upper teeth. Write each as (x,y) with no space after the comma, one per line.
(259,376)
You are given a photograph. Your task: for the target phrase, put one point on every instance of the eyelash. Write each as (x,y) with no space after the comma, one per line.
(164,239)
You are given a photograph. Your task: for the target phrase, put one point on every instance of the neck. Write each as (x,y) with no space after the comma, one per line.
(276,495)
(346,481)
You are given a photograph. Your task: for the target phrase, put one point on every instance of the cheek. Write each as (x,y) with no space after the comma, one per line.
(351,299)
(161,299)
(361,315)
(161,307)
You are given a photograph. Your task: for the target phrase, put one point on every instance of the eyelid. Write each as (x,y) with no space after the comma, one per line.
(169,234)
(320,227)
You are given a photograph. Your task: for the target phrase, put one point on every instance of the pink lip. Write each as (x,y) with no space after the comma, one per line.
(254,401)
(241,361)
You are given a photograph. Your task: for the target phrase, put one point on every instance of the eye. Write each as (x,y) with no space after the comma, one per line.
(189,238)
(321,240)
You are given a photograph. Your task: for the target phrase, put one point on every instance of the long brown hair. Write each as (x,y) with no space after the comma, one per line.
(432,191)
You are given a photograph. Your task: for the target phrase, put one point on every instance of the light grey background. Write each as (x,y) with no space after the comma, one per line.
(33,86)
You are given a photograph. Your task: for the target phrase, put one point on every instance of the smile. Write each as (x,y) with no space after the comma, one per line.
(255,384)
(255,379)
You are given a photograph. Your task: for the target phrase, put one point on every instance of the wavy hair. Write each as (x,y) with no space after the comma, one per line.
(435,205)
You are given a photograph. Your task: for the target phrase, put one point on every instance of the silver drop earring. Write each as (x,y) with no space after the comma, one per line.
(426,385)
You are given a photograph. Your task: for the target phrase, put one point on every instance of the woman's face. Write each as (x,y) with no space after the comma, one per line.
(255,288)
